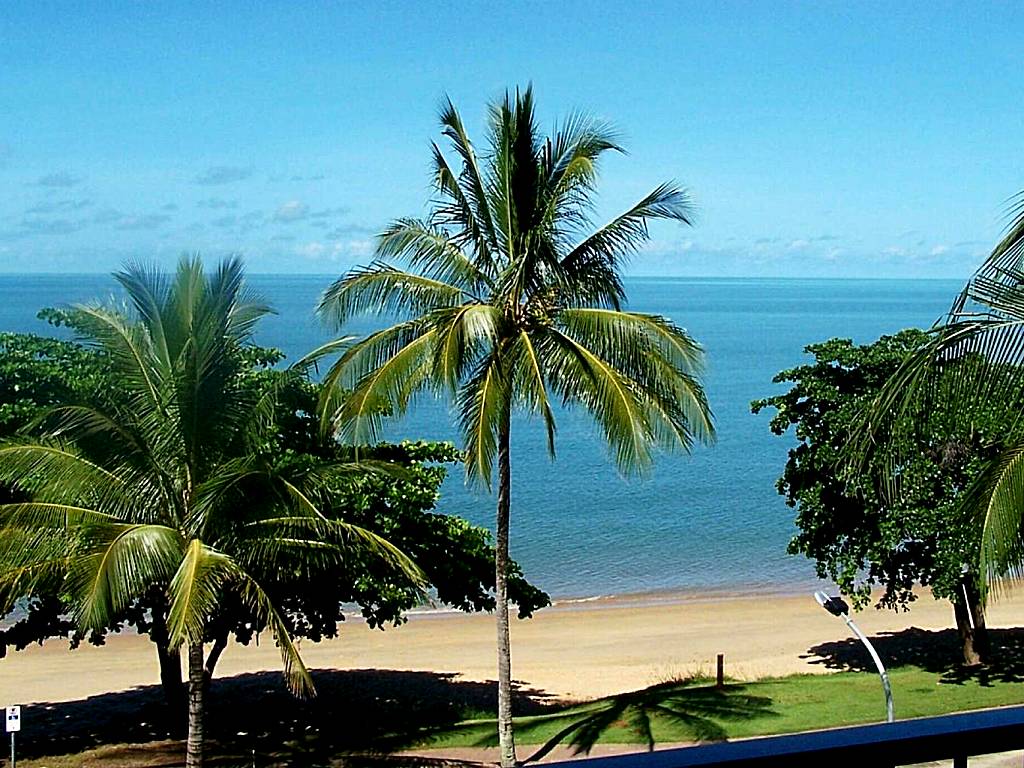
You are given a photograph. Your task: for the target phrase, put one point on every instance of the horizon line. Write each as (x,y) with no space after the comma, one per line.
(334,275)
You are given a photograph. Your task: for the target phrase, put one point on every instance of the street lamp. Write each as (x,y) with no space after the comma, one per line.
(838,607)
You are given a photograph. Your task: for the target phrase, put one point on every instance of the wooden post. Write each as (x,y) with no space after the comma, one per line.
(720,677)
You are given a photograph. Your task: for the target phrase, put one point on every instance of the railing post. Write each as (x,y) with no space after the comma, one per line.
(960,761)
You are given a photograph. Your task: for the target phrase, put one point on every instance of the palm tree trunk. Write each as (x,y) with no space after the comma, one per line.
(196,688)
(506,738)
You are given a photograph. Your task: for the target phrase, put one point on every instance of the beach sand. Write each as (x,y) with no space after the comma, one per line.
(574,650)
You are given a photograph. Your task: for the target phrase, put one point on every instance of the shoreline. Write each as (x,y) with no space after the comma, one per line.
(656,597)
(570,651)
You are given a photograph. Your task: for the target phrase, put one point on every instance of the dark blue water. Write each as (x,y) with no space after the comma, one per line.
(711,520)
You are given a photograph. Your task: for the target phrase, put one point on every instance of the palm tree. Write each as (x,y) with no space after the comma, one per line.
(509,301)
(171,491)
(972,362)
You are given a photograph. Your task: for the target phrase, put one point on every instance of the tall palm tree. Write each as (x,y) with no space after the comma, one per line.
(510,300)
(170,491)
(973,360)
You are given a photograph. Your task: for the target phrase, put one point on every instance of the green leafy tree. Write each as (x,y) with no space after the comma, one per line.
(168,492)
(970,364)
(38,373)
(859,533)
(509,300)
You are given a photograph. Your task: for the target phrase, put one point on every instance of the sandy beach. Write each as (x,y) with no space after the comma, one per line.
(572,650)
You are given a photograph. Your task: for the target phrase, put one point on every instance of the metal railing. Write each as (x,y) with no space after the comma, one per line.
(948,737)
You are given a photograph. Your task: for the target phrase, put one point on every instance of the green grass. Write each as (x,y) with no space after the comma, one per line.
(694,710)
(374,711)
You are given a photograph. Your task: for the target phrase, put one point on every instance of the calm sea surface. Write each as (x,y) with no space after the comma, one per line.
(712,520)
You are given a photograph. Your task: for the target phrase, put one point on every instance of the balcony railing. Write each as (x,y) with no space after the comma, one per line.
(949,737)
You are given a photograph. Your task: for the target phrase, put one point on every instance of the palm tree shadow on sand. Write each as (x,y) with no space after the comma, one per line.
(369,711)
(936,651)
(680,710)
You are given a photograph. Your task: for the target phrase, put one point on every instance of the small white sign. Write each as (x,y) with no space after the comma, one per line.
(13,719)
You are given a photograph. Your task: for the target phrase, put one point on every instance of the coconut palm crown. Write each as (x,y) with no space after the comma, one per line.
(507,298)
(170,492)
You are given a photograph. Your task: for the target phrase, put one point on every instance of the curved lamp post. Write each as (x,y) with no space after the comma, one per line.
(838,607)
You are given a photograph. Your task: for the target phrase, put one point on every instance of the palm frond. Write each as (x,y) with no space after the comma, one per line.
(312,359)
(463,334)
(381,288)
(33,562)
(117,564)
(970,364)
(528,383)
(589,272)
(457,214)
(579,375)
(661,360)
(569,162)
(148,290)
(46,517)
(195,591)
(58,472)
(233,306)
(998,501)
(393,367)
(300,682)
(616,334)
(483,402)
(474,184)
(333,540)
(129,347)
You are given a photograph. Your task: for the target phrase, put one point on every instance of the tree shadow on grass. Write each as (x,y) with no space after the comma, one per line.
(681,710)
(936,651)
(355,711)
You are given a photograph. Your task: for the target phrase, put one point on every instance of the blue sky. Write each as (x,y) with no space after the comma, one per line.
(818,139)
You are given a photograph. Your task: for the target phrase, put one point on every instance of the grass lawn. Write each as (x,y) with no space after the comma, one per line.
(688,711)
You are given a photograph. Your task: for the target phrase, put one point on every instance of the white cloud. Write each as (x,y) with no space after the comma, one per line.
(216,203)
(58,206)
(222,174)
(334,251)
(60,179)
(938,250)
(145,221)
(360,248)
(293,210)
(312,250)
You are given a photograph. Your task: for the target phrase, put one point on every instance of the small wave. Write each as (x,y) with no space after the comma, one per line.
(578,600)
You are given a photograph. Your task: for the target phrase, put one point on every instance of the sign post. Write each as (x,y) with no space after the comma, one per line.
(13,722)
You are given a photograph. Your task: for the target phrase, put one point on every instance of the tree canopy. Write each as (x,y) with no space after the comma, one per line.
(37,373)
(857,530)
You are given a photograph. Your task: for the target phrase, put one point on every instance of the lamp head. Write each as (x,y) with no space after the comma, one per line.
(834,605)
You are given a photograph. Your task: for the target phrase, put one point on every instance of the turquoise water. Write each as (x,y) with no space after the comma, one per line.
(711,520)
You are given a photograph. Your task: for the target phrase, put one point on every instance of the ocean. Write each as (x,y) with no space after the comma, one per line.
(712,521)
